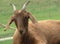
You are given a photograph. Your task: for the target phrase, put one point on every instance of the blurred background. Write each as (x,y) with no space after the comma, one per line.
(41,9)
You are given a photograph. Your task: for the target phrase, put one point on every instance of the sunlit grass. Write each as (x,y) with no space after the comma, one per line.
(6,42)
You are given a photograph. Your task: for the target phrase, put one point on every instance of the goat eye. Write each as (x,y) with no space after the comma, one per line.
(27,17)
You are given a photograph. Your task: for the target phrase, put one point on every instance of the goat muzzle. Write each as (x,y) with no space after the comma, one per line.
(22,32)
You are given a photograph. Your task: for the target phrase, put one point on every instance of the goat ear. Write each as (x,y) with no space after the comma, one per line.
(9,22)
(32,18)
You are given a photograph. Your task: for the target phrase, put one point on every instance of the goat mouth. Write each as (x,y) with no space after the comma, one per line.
(22,32)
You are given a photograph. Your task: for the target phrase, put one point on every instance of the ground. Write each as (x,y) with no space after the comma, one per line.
(6,42)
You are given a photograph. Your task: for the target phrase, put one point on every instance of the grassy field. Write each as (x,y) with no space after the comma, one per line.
(6,42)
(41,9)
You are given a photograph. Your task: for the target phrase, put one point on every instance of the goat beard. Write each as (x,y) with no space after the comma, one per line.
(27,39)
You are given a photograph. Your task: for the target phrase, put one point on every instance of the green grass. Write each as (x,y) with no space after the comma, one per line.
(6,42)
(41,9)
(7,33)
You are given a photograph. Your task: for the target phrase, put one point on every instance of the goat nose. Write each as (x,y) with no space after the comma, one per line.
(21,31)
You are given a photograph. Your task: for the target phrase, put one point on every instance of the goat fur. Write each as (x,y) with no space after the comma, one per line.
(44,32)
(41,32)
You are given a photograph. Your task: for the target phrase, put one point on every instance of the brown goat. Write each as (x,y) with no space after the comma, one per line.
(42,32)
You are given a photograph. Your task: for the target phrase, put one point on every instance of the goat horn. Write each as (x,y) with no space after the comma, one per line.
(14,7)
(25,4)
